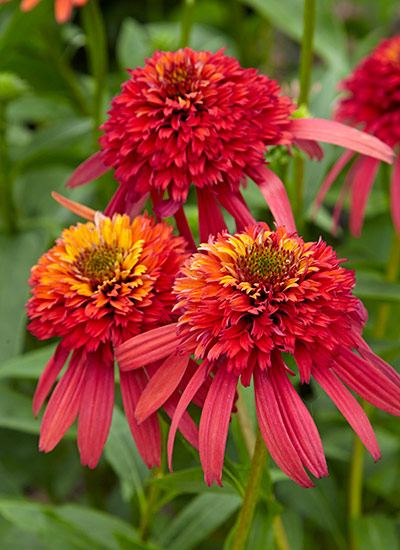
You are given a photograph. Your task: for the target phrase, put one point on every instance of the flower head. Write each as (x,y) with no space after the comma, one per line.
(246,299)
(372,102)
(62,8)
(199,118)
(102,283)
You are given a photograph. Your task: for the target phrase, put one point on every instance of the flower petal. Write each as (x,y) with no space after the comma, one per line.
(64,404)
(365,169)
(184,229)
(214,424)
(311,148)
(161,385)
(186,426)
(75,207)
(275,195)
(274,431)
(48,377)
(349,407)
(63,10)
(166,208)
(337,133)
(146,348)
(89,170)
(147,436)
(211,219)
(96,408)
(236,206)
(395,194)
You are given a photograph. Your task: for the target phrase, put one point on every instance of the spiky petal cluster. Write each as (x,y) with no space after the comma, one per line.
(372,102)
(246,299)
(102,283)
(199,117)
(62,8)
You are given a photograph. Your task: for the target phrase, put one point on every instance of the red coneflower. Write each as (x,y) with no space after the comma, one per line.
(102,283)
(372,102)
(245,299)
(62,8)
(199,117)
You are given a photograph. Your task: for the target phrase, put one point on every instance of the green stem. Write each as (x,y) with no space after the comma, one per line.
(7,206)
(391,276)
(186,22)
(147,517)
(245,423)
(96,45)
(258,466)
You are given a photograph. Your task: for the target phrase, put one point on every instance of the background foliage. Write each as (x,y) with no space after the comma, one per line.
(62,83)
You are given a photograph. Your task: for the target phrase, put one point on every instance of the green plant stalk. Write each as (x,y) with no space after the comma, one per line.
(96,46)
(146,519)
(7,206)
(186,22)
(246,514)
(306,58)
(245,423)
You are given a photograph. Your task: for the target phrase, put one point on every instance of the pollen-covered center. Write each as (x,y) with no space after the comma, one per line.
(178,78)
(99,264)
(264,264)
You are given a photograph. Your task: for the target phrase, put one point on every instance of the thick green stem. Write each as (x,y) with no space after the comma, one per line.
(186,22)
(96,45)
(7,206)
(147,517)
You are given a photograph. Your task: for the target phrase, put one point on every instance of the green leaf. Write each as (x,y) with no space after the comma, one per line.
(133,44)
(373,532)
(121,452)
(189,481)
(372,286)
(30,365)
(197,520)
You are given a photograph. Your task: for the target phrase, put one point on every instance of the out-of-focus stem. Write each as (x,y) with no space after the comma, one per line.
(392,275)
(186,22)
(7,206)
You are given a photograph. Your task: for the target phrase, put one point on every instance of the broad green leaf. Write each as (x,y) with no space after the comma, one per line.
(121,452)
(29,365)
(13,538)
(197,520)
(133,44)
(371,286)
(373,532)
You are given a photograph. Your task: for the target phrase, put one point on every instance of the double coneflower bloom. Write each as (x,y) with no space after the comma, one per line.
(372,102)
(102,283)
(199,118)
(244,300)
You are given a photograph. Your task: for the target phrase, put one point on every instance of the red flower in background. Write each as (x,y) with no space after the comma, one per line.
(62,8)
(101,284)
(245,299)
(199,117)
(372,101)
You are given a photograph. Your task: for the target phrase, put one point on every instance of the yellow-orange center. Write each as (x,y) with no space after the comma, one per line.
(98,264)
(263,264)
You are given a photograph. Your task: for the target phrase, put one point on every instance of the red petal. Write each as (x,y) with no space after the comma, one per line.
(349,407)
(63,10)
(48,377)
(214,424)
(92,168)
(147,347)
(161,385)
(64,404)
(190,390)
(365,169)
(184,229)
(274,193)
(75,207)
(311,148)
(166,208)
(274,431)
(395,194)
(186,425)
(300,426)
(303,361)
(147,436)
(369,382)
(96,409)
(337,133)
(211,220)
(234,203)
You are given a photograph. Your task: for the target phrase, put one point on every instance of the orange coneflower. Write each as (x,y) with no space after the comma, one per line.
(62,8)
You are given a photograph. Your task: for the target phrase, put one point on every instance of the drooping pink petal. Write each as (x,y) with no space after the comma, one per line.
(147,347)
(89,170)
(368,381)
(211,220)
(48,377)
(349,407)
(311,148)
(377,361)
(186,426)
(274,193)
(395,194)
(63,10)
(184,229)
(342,197)
(27,5)
(190,390)
(201,394)
(166,208)
(214,424)
(63,405)
(147,436)
(364,176)
(161,385)
(330,178)
(75,207)
(236,206)
(300,426)
(303,361)
(274,431)
(330,131)
(96,408)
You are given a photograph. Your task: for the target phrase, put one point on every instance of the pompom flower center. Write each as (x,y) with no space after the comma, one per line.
(99,265)
(177,78)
